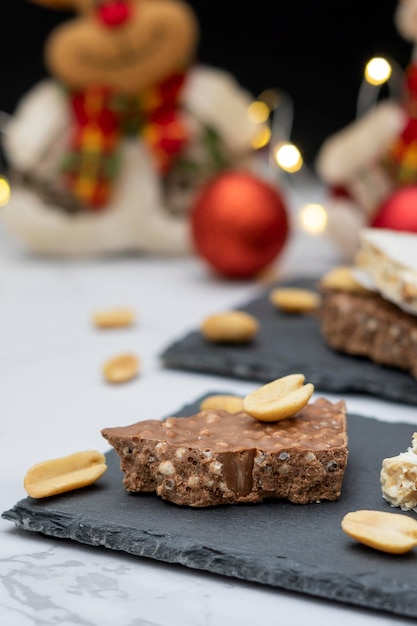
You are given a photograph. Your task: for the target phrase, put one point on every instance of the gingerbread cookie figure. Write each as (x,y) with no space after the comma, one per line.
(107,154)
(368,161)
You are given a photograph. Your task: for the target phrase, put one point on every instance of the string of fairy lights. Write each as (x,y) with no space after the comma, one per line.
(273,111)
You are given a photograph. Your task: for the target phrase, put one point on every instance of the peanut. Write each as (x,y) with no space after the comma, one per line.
(343,278)
(114,318)
(121,369)
(387,532)
(294,300)
(232,404)
(278,399)
(55,476)
(230,327)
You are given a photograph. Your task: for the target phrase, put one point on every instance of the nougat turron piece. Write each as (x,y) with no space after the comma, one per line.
(361,322)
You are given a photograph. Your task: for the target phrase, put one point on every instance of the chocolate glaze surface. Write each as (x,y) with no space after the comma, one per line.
(215,457)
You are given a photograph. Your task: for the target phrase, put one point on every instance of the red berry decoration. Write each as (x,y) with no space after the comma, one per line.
(399,212)
(239,224)
(114,12)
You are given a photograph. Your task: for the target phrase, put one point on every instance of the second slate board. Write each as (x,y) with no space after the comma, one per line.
(289,344)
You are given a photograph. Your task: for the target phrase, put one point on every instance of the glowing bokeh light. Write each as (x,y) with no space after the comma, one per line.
(4,191)
(377,71)
(258,112)
(313,218)
(262,138)
(288,157)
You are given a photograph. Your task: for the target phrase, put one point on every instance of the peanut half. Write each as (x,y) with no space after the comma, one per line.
(342,277)
(121,368)
(279,399)
(230,327)
(227,402)
(388,532)
(294,300)
(55,476)
(114,318)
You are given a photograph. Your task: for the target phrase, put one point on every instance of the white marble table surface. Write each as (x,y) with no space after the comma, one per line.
(53,401)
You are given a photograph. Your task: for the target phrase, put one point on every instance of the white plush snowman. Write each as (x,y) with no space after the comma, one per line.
(107,155)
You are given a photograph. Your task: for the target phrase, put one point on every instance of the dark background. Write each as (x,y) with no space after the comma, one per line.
(313,49)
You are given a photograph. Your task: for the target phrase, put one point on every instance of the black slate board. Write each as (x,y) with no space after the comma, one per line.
(276,543)
(288,344)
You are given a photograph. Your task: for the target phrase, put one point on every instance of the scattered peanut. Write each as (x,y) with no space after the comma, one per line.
(279,399)
(55,476)
(232,404)
(342,278)
(121,369)
(230,327)
(388,532)
(294,300)
(114,318)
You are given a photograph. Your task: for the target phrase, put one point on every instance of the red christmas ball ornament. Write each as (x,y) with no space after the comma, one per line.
(239,224)
(399,212)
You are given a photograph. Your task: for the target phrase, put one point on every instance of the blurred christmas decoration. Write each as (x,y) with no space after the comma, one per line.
(114,159)
(399,211)
(370,167)
(119,164)
(240,224)
(107,155)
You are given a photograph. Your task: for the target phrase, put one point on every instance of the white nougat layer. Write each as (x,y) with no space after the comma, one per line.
(387,261)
